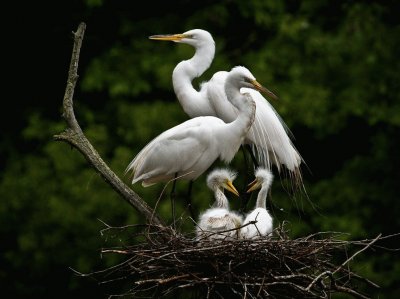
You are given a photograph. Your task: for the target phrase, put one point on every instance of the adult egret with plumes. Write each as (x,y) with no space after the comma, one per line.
(219,222)
(268,135)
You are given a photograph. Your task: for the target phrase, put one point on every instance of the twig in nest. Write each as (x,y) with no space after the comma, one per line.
(274,267)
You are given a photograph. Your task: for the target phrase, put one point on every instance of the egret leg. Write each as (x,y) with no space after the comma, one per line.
(172,198)
(245,196)
(253,157)
(189,200)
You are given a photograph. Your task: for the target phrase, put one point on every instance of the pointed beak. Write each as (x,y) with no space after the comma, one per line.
(170,37)
(253,186)
(263,89)
(229,186)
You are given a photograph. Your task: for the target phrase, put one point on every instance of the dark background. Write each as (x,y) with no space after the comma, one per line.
(334,66)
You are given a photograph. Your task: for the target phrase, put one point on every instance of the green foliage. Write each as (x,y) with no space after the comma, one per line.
(52,209)
(94,3)
(335,69)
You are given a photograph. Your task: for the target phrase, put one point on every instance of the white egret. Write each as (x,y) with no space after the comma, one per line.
(194,103)
(188,149)
(219,222)
(263,221)
(268,136)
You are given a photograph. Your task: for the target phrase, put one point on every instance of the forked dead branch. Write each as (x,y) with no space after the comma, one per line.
(74,136)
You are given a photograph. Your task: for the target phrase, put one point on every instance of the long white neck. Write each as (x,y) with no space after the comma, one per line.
(220,199)
(262,198)
(262,194)
(246,106)
(233,134)
(192,102)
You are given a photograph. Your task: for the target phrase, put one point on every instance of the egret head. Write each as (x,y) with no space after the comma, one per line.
(195,37)
(222,178)
(264,177)
(242,77)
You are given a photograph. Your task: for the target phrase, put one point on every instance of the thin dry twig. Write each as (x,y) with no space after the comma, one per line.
(358,252)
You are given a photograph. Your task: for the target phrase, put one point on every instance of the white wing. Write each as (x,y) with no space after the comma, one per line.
(269,134)
(186,149)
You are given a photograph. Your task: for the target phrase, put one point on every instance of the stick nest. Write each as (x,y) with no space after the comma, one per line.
(165,264)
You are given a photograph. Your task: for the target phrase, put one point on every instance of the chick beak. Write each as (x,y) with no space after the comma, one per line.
(253,186)
(231,188)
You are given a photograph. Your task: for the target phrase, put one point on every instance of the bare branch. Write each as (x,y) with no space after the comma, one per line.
(358,252)
(75,137)
(350,291)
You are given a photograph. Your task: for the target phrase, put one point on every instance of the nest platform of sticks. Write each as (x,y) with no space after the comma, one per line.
(164,264)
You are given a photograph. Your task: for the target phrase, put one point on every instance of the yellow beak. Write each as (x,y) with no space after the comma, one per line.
(171,37)
(229,186)
(253,186)
(263,89)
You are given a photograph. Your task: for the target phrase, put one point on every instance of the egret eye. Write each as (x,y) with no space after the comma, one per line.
(247,80)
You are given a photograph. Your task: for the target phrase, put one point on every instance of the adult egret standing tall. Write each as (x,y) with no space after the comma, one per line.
(219,222)
(188,149)
(267,136)
(263,220)
(194,103)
